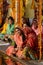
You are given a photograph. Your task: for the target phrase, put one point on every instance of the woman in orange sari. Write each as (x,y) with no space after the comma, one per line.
(15,51)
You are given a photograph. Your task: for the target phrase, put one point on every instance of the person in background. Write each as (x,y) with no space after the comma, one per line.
(25,21)
(30,35)
(5,27)
(10,27)
(26,29)
(35,27)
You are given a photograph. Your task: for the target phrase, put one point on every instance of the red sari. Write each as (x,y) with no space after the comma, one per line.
(18,39)
(31,37)
(9,52)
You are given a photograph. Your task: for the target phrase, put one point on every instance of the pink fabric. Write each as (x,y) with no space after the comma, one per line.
(18,39)
(37,31)
(10,50)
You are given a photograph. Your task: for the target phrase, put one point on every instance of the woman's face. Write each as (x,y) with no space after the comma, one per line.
(24,25)
(17,31)
(35,26)
(10,21)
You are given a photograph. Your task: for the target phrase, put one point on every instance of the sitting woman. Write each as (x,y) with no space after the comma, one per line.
(10,27)
(16,51)
(26,29)
(30,35)
(19,37)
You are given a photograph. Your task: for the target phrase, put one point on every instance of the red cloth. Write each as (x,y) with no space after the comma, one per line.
(9,52)
(31,38)
(26,30)
(9,62)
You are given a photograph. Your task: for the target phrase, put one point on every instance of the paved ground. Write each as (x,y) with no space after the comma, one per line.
(3,45)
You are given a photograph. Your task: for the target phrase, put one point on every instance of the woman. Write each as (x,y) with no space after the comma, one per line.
(26,29)
(16,51)
(10,27)
(30,36)
(19,37)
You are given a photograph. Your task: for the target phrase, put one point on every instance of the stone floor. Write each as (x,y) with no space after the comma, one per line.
(3,45)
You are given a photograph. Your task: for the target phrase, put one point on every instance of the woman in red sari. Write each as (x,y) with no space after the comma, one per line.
(31,36)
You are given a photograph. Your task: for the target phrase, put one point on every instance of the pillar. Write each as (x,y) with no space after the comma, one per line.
(40,28)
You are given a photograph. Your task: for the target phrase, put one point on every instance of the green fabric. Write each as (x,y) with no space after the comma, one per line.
(28,53)
(1,36)
(10,29)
